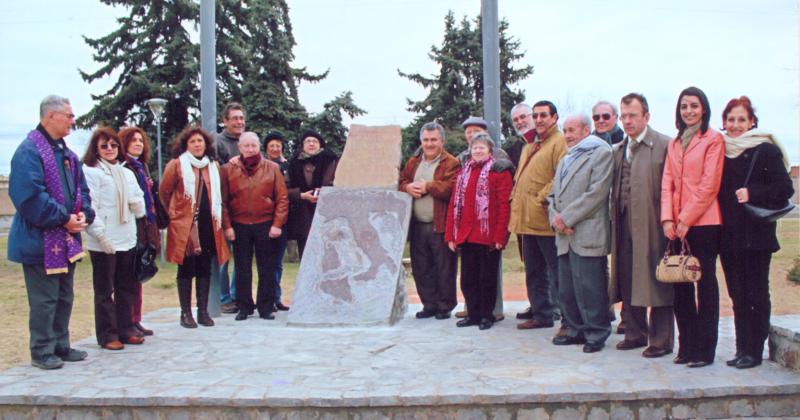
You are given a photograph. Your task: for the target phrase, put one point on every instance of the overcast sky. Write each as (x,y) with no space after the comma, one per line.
(581,51)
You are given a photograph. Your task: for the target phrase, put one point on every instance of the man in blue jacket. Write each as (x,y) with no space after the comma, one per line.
(49,191)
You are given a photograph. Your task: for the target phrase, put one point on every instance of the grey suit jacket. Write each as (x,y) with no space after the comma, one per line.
(581,197)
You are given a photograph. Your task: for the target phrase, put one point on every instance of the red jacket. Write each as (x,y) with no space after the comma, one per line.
(499,211)
(691,180)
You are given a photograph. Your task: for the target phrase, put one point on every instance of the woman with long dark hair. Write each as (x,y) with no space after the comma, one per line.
(192,194)
(136,150)
(748,243)
(690,211)
(111,240)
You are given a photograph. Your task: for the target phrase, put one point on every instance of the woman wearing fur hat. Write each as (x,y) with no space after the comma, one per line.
(312,168)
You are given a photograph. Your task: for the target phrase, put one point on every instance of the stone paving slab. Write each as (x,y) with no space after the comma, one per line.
(259,363)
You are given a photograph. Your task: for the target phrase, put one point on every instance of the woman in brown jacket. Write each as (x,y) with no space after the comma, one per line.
(254,197)
(187,202)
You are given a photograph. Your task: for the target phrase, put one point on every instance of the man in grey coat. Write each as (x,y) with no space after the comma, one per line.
(578,212)
(635,198)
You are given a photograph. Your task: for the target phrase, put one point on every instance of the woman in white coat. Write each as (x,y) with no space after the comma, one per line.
(117,201)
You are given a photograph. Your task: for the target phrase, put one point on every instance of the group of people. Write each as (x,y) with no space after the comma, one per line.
(571,195)
(214,194)
(574,195)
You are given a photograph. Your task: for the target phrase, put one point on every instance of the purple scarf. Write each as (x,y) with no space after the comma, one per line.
(481,194)
(141,178)
(60,246)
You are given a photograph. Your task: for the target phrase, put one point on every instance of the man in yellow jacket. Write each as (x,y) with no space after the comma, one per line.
(532,183)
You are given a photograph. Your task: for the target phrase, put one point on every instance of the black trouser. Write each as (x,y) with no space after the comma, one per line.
(747,276)
(50,307)
(250,238)
(434,267)
(697,304)
(479,265)
(541,275)
(114,294)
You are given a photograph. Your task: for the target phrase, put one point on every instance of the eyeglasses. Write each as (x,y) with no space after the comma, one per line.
(541,115)
(66,114)
(107,146)
(606,117)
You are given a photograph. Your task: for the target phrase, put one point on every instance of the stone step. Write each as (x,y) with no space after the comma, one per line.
(416,369)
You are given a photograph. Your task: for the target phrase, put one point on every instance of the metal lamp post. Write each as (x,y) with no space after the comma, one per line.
(157,105)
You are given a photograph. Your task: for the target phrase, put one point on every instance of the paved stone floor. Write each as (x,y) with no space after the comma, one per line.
(416,362)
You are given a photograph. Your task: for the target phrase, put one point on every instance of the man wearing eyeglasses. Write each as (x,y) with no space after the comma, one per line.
(226,144)
(51,197)
(529,218)
(638,167)
(605,116)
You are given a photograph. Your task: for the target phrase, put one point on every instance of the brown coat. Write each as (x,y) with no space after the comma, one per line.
(444,178)
(179,209)
(257,198)
(645,212)
(532,185)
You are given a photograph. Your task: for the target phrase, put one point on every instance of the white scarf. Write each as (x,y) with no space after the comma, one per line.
(118,175)
(187,162)
(735,146)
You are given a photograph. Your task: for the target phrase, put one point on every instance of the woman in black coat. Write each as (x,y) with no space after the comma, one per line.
(748,243)
(312,168)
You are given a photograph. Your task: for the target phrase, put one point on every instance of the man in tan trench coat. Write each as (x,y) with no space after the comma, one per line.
(637,239)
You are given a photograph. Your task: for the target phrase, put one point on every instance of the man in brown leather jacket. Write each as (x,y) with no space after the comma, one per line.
(255,201)
(429,177)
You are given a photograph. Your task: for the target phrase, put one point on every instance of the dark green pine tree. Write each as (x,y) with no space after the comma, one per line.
(151,55)
(456,92)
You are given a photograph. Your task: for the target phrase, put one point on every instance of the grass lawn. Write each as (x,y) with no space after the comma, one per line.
(160,292)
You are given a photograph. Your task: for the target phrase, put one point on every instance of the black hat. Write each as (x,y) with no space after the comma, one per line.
(274,135)
(311,133)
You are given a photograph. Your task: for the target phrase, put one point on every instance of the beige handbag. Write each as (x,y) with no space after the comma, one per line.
(681,268)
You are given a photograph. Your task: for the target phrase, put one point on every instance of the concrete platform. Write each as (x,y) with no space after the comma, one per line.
(416,369)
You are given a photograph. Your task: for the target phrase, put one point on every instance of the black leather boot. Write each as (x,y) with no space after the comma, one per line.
(185,298)
(201,287)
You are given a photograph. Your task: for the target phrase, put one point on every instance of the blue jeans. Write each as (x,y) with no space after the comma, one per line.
(227,288)
(280,250)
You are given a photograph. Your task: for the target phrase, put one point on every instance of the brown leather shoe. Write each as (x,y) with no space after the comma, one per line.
(499,317)
(113,345)
(134,339)
(652,352)
(142,329)
(533,324)
(461,314)
(630,345)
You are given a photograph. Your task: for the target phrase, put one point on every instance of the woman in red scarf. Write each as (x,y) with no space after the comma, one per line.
(477,224)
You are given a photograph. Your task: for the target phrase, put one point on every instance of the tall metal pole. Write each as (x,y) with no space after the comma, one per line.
(208,68)
(160,172)
(491,67)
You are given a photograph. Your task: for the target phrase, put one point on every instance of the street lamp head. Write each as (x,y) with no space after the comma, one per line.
(156,105)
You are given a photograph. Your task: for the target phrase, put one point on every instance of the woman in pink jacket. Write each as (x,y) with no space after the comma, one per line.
(690,210)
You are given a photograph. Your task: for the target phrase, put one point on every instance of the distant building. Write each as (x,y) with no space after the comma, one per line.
(794,173)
